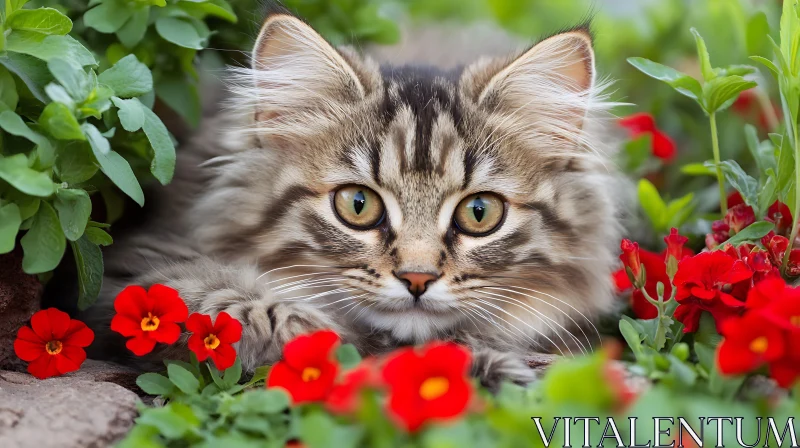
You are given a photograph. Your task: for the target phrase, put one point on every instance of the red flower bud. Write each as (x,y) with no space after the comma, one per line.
(675,244)
(630,259)
(739,217)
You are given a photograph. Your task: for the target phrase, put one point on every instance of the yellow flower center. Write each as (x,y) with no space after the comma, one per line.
(759,345)
(310,374)
(53,347)
(795,320)
(434,387)
(211,341)
(150,323)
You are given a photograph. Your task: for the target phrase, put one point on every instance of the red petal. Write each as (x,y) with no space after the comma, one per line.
(199,324)
(452,403)
(308,350)
(43,367)
(621,280)
(28,346)
(70,359)
(166,333)
(224,356)
(702,293)
(689,316)
(663,146)
(140,345)
(132,302)
(785,373)
(198,346)
(284,376)
(50,324)
(638,123)
(227,328)
(735,360)
(168,305)
(126,326)
(641,307)
(78,334)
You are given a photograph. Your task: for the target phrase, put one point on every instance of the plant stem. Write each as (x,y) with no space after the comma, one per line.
(661,329)
(793,234)
(723,197)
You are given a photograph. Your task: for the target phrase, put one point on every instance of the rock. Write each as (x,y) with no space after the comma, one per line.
(81,409)
(19,299)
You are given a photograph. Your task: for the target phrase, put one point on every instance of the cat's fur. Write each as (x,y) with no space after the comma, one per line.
(247,225)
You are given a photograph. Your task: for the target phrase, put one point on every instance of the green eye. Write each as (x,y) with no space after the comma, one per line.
(479,214)
(358,206)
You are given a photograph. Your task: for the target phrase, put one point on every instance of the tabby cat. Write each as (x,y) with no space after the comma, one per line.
(394,205)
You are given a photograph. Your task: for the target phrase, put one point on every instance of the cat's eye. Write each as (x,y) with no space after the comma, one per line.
(358,206)
(479,214)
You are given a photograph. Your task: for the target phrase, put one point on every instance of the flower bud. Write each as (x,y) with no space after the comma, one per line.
(633,266)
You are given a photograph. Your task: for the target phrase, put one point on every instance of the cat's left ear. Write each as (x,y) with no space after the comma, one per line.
(552,82)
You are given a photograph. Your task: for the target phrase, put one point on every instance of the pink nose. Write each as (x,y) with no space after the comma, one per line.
(417,282)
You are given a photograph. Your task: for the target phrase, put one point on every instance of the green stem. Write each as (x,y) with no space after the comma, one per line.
(723,197)
(661,329)
(793,235)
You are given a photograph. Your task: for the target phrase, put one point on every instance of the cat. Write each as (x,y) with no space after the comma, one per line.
(394,205)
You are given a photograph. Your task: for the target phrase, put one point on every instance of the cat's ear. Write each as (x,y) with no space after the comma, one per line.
(550,85)
(296,72)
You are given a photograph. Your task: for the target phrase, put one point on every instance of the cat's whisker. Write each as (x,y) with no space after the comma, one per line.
(543,317)
(298,276)
(307,284)
(317,295)
(484,310)
(295,266)
(554,298)
(526,324)
(342,300)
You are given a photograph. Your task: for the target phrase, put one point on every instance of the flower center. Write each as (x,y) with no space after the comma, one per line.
(434,387)
(310,374)
(759,345)
(795,320)
(150,323)
(211,341)
(53,347)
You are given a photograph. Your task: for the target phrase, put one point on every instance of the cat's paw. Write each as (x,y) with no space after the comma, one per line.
(268,326)
(492,368)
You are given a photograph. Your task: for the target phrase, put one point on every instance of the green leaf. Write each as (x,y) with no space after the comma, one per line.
(233,374)
(632,337)
(13,124)
(683,83)
(163,164)
(44,244)
(698,169)
(183,379)
(10,220)
(89,262)
(702,54)
(216,8)
(48,47)
(59,122)
(155,384)
(347,355)
(767,195)
(741,181)
(13,5)
(719,93)
(119,171)
(98,236)
(179,32)
(135,28)
(75,164)
(753,232)
(263,401)
(767,63)
(757,32)
(15,171)
(679,210)
(131,113)
(74,207)
(652,204)
(33,72)
(128,77)
(76,82)
(785,169)
(40,20)
(8,91)
(182,97)
(173,421)
(764,158)
(96,138)
(107,17)
(318,430)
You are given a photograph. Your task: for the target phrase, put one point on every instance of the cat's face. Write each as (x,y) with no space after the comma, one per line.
(422,200)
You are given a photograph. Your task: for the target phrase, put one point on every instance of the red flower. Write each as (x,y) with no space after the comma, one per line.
(147,317)
(750,341)
(745,102)
(675,244)
(427,384)
(776,246)
(720,232)
(702,281)
(780,214)
(53,344)
(345,396)
(739,217)
(643,123)
(307,371)
(631,262)
(748,106)
(214,340)
(735,198)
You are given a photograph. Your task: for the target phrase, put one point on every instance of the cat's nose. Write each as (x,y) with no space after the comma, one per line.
(417,282)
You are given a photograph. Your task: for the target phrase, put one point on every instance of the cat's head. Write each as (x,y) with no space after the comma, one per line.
(424,200)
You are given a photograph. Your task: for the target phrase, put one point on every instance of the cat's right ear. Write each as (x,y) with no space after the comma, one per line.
(298,75)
